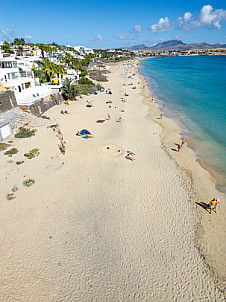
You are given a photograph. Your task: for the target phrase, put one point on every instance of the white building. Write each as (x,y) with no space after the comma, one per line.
(73,75)
(27,63)
(27,92)
(83,50)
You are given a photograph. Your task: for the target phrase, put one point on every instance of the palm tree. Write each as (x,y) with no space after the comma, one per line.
(16,41)
(6,47)
(20,51)
(69,89)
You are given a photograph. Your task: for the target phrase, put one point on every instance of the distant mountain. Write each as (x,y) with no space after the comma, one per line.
(171,45)
(177,45)
(142,46)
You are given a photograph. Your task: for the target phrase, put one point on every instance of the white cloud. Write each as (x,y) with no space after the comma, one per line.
(208,17)
(187,16)
(162,26)
(123,37)
(137,29)
(99,38)
(28,38)
(8,34)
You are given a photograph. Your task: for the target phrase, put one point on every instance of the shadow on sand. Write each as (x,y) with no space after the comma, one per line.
(204,205)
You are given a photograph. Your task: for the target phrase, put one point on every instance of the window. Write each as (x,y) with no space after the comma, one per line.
(19,88)
(14,64)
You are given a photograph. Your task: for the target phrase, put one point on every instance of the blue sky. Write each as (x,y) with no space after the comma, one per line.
(111,24)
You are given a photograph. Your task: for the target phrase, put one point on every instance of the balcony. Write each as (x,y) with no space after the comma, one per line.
(26,74)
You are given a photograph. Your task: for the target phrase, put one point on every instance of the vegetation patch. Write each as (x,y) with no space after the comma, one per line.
(85,81)
(3,146)
(10,142)
(97,75)
(29,182)
(11,152)
(19,162)
(84,89)
(10,196)
(33,153)
(69,90)
(45,117)
(25,133)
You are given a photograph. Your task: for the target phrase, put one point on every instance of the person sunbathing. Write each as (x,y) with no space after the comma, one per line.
(84,132)
(130,153)
(64,112)
(129,157)
(89,105)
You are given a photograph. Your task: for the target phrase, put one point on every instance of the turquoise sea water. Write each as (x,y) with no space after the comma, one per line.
(194,91)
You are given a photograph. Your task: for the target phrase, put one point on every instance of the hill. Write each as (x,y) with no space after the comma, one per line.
(177,45)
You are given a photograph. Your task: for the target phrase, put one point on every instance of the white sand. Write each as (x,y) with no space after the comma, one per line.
(96,226)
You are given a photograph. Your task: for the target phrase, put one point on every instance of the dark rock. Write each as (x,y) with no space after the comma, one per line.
(15,188)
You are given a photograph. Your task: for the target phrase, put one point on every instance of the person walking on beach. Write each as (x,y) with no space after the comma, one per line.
(182,142)
(213,205)
(161,116)
(178,147)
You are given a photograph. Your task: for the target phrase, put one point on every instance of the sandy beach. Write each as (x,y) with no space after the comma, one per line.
(96,226)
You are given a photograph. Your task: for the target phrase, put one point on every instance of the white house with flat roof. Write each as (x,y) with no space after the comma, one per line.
(27,92)
(83,50)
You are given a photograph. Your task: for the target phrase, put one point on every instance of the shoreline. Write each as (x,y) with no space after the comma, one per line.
(96,226)
(203,184)
(192,142)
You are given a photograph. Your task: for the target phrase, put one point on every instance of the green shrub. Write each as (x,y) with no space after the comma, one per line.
(85,81)
(11,152)
(29,182)
(10,196)
(45,117)
(32,153)
(84,89)
(83,73)
(25,133)
(19,162)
